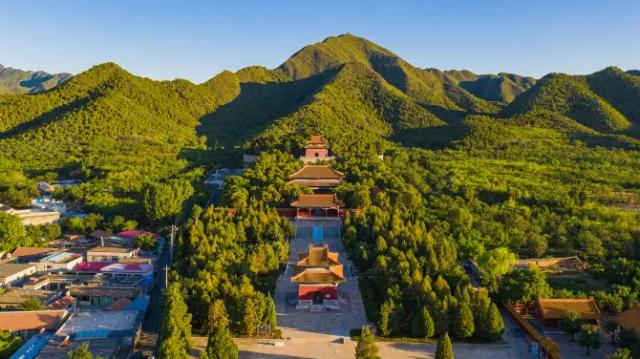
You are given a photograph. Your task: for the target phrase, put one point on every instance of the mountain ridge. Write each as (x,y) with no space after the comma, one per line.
(18,81)
(113,126)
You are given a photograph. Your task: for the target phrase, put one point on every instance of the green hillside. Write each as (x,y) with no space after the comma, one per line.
(427,87)
(19,81)
(121,131)
(355,102)
(502,87)
(574,97)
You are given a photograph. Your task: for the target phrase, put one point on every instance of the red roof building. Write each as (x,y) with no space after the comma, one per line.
(316,147)
(318,273)
(317,205)
(317,177)
(551,311)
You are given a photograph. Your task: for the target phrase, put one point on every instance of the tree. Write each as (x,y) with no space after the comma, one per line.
(621,353)
(216,316)
(422,325)
(525,285)
(571,323)
(220,345)
(494,264)
(164,200)
(12,232)
(176,327)
(610,326)
(31,304)
(9,343)
(444,349)
(495,322)
(251,317)
(366,347)
(589,337)
(81,352)
(463,326)
(384,320)
(146,242)
(270,314)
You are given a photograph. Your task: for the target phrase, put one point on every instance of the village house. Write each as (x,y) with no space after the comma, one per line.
(100,235)
(108,334)
(110,254)
(33,216)
(59,262)
(318,273)
(550,311)
(12,298)
(11,273)
(30,254)
(26,324)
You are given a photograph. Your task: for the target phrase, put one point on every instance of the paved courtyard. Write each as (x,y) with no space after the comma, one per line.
(296,323)
(324,347)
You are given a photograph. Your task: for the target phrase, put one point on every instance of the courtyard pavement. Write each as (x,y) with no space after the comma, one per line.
(296,323)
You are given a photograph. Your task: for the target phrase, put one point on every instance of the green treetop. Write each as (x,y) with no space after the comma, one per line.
(366,348)
(220,345)
(444,348)
(176,327)
(589,337)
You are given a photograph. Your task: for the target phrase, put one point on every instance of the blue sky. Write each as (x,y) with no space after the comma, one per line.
(197,39)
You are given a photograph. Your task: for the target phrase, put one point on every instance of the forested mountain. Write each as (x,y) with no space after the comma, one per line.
(503,87)
(120,131)
(606,101)
(19,81)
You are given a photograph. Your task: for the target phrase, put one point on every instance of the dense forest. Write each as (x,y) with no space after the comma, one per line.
(491,167)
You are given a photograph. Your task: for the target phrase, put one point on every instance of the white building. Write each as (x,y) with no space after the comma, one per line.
(110,254)
(13,272)
(59,262)
(32,215)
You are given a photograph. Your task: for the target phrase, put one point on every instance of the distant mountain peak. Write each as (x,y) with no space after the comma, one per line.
(14,80)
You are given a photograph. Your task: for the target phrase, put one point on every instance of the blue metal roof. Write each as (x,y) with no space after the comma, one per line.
(33,346)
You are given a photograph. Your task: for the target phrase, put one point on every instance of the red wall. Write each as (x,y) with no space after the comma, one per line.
(306,292)
(311,152)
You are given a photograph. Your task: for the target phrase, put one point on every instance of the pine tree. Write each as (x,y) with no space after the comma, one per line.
(220,345)
(270,314)
(176,327)
(495,322)
(463,326)
(81,352)
(217,316)
(422,325)
(366,348)
(384,322)
(444,348)
(251,317)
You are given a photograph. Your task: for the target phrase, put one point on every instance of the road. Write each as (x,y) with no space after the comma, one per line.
(151,325)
